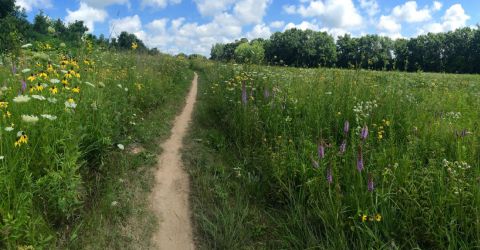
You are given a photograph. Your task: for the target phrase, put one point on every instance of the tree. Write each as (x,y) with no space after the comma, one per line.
(217,52)
(250,53)
(400,49)
(7,7)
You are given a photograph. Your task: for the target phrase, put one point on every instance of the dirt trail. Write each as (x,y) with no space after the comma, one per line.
(170,196)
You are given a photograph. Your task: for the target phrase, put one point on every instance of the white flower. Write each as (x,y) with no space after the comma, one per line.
(70,104)
(39,97)
(25,70)
(30,118)
(120,146)
(8,129)
(20,133)
(101,85)
(114,203)
(119,85)
(21,98)
(28,45)
(90,84)
(126,89)
(52,100)
(2,157)
(63,71)
(49,117)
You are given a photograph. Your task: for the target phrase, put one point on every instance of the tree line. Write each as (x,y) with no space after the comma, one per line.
(16,30)
(453,52)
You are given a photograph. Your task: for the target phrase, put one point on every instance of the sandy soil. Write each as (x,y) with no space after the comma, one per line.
(170,196)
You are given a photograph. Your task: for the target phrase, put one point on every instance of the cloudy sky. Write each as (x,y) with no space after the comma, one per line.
(192,26)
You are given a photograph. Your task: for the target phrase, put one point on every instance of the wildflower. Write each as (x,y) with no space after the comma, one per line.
(28,45)
(29,118)
(49,117)
(39,97)
(321,150)
(31,78)
(371,185)
(378,217)
(91,85)
(346,127)
(134,45)
(114,203)
(3,104)
(120,146)
(43,74)
(329,175)
(359,159)
(25,71)
(2,157)
(343,147)
(39,87)
(24,86)
(22,138)
(21,98)
(54,81)
(54,90)
(244,93)
(76,89)
(364,133)
(52,100)
(7,114)
(8,129)
(64,82)
(364,217)
(70,103)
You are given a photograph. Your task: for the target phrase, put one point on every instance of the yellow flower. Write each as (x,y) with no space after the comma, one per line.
(54,90)
(43,74)
(50,68)
(378,217)
(70,100)
(31,78)
(364,218)
(139,86)
(39,87)
(7,114)
(4,105)
(387,122)
(134,45)
(64,81)
(22,139)
(76,90)
(77,75)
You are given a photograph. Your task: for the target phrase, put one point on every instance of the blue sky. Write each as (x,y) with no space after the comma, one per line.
(192,26)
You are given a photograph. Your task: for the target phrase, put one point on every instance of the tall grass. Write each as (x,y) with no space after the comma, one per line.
(418,185)
(82,104)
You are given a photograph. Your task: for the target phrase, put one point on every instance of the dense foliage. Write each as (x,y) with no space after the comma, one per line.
(454,52)
(338,159)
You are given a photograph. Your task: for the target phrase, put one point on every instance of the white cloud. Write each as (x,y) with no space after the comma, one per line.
(437,6)
(332,13)
(259,31)
(409,13)
(87,14)
(304,25)
(213,7)
(250,11)
(277,24)
(370,6)
(389,24)
(159,3)
(28,5)
(104,3)
(130,24)
(454,18)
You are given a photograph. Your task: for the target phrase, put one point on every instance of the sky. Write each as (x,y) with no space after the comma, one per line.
(193,26)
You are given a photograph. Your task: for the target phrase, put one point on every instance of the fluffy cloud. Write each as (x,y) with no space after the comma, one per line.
(332,13)
(259,31)
(130,24)
(104,3)
(304,25)
(277,24)
(159,3)
(250,11)
(28,5)
(213,7)
(410,13)
(454,17)
(87,14)
(370,6)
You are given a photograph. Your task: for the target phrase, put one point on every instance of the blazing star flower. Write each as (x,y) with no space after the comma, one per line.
(244,93)
(24,86)
(371,185)
(359,159)
(343,147)
(346,127)
(364,133)
(329,175)
(321,151)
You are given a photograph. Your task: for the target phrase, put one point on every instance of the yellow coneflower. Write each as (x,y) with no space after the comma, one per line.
(378,217)
(32,89)
(50,68)
(64,81)
(31,78)
(53,90)
(68,75)
(7,114)
(76,89)
(43,74)
(364,217)
(3,104)
(39,87)
(134,45)
(70,100)
(22,139)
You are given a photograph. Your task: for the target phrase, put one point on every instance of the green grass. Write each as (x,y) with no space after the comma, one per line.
(255,186)
(71,178)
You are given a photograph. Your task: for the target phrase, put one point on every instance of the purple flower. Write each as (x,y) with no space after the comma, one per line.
(360,159)
(346,127)
(343,147)
(24,86)
(364,133)
(371,185)
(321,150)
(315,163)
(244,93)
(329,175)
